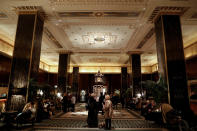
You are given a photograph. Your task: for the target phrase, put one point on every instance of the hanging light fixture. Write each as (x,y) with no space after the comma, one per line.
(99,77)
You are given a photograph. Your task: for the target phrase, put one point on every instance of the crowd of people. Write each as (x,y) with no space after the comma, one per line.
(68,102)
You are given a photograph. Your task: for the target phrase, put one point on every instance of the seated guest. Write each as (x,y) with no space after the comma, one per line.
(2,107)
(28,113)
(47,108)
(40,110)
(148,108)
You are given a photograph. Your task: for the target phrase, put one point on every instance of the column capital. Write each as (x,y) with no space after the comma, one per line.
(65,52)
(135,52)
(27,10)
(166,10)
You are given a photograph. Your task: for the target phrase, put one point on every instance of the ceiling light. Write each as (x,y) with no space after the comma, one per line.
(98,14)
(60,20)
(99,39)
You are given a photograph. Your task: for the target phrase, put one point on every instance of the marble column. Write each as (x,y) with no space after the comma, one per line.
(26,58)
(136,74)
(63,72)
(171,60)
(110,84)
(90,81)
(75,82)
(124,79)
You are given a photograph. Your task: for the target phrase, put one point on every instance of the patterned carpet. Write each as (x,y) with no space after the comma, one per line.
(126,120)
(81,113)
(74,123)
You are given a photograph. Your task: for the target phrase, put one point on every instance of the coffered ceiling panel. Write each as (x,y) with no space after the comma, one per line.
(98,59)
(148,59)
(8,31)
(50,58)
(99,36)
(189,34)
(99,32)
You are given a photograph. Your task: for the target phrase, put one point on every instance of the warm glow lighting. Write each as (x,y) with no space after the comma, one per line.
(189,50)
(104,90)
(139,95)
(80,113)
(58,94)
(103,69)
(146,69)
(154,67)
(41,92)
(5,48)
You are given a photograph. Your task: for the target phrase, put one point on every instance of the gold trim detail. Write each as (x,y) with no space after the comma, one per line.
(166,10)
(26,10)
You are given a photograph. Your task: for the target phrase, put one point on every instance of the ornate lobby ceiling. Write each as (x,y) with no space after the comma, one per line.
(99,32)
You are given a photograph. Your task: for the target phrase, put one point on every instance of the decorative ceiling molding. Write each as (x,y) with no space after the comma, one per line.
(104,23)
(178,0)
(194,15)
(27,8)
(20,0)
(3,15)
(52,38)
(93,52)
(97,2)
(99,14)
(134,52)
(30,10)
(146,38)
(99,36)
(166,10)
(99,60)
(65,52)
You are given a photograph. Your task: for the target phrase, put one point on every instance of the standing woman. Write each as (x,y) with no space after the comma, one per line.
(108,112)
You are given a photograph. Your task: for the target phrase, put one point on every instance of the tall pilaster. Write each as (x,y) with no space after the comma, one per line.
(26,58)
(124,78)
(171,59)
(75,82)
(63,72)
(136,74)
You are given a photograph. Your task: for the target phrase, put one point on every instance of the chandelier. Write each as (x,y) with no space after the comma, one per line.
(99,77)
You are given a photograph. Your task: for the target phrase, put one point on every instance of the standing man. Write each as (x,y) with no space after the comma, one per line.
(73,101)
(92,112)
(101,98)
(65,102)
